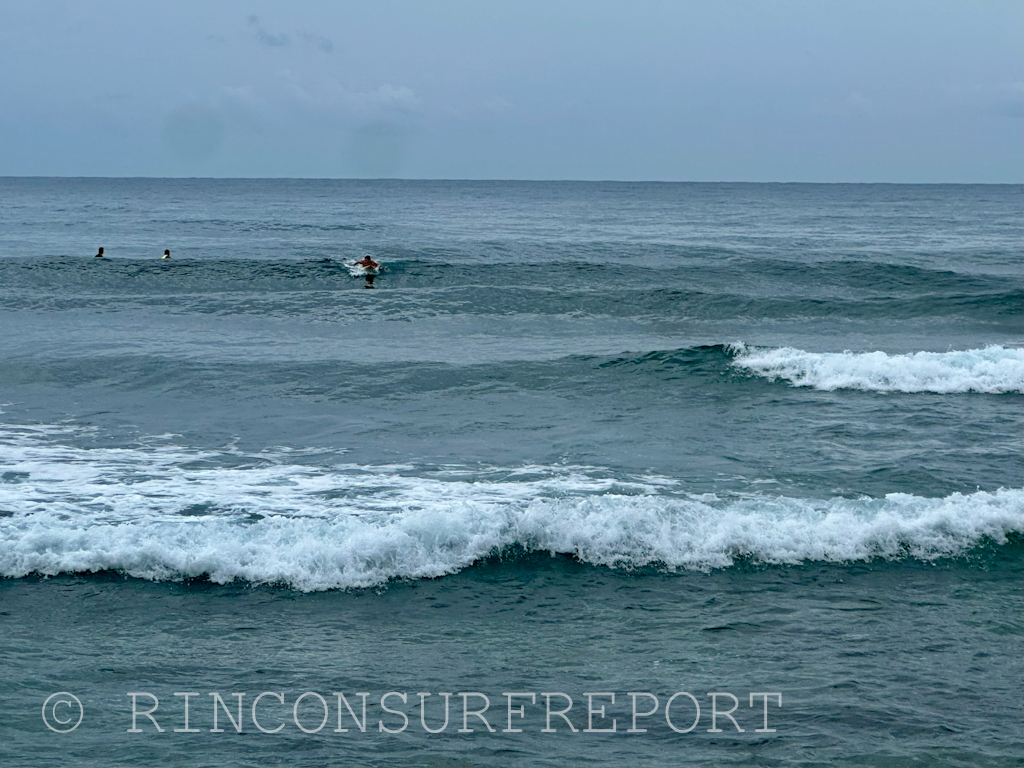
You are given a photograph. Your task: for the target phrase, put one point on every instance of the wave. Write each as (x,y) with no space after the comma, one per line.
(761,279)
(529,366)
(315,292)
(259,225)
(165,513)
(992,370)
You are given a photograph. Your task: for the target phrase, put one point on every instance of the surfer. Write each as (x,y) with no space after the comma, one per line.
(167,254)
(99,254)
(368,264)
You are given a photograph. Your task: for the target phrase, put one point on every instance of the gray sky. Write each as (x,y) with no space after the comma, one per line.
(851,90)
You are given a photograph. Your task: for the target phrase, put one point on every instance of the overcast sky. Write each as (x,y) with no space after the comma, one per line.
(708,90)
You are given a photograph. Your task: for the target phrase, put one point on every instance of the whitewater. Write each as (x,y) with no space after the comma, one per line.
(992,370)
(158,513)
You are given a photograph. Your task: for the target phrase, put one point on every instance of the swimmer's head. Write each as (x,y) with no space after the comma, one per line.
(101,251)
(167,254)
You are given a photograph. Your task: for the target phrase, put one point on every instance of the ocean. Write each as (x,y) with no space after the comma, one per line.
(617,473)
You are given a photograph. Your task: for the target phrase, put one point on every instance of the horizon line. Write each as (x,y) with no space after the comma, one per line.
(513,180)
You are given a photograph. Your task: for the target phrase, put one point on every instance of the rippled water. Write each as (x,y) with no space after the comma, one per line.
(599,436)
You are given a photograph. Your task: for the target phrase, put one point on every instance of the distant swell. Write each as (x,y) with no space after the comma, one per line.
(164,512)
(992,370)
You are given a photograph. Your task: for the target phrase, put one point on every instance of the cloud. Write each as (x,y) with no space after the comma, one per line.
(266,38)
(282,40)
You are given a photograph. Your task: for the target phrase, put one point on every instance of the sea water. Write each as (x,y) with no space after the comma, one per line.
(701,441)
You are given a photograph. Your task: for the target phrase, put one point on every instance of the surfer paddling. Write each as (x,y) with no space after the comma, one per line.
(368,264)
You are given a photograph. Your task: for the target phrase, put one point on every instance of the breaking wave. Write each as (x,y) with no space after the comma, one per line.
(992,370)
(163,512)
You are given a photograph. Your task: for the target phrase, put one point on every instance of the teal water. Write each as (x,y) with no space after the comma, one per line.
(577,438)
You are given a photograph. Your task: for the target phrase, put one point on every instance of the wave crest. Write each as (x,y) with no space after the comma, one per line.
(161,511)
(615,531)
(992,370)
(314,528)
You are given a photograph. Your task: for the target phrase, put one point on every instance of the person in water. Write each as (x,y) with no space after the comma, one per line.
(99,255)
(367,263)
(167,255)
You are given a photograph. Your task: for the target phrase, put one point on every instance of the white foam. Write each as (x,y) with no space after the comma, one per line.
(992,370)
(81,510)
(355,269)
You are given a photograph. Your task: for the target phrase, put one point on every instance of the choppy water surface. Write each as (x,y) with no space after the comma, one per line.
(608,437)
